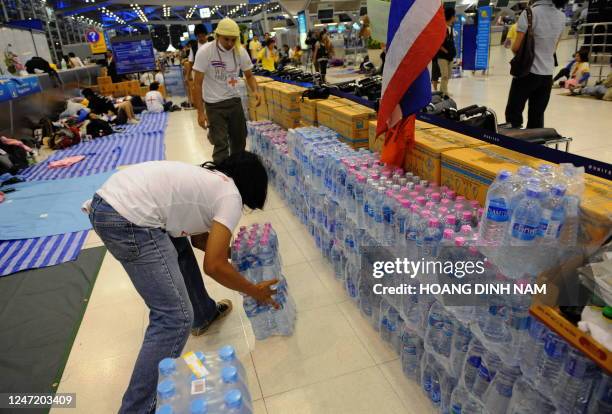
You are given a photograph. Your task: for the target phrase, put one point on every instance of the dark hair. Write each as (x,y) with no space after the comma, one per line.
(449,13)
(210,38)
(154,86)
(584,55)
(87,92)
(249,175)
(71,55)
(200,29)
(286,46)
(559,4)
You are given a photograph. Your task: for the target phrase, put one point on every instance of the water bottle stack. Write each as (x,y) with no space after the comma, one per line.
(490,358)
(203,383)
(255,255)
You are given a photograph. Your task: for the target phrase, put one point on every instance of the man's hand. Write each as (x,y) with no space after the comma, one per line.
(263,292)
(257,99)
(203,120)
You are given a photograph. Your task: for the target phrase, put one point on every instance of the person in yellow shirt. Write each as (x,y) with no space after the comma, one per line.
(510,37)
(254,47)
(268,57)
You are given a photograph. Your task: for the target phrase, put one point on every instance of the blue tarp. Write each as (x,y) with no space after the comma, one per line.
(45,208)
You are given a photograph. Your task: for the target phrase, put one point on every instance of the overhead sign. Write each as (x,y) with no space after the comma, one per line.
(205,13)
(302,29)
(12,88)
(97,42)
(134,54)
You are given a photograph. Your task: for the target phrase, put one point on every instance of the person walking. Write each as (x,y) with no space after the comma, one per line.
(254,47)
(216,75)
(547,26)
(146,215)
(447,52)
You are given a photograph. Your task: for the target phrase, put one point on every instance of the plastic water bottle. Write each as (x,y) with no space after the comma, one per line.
(493,324)
(532,347)
(411,343)
(446,339)
(472,363)
(267,259)
(526,219)
(601,400)
(550,362)
(235,403)
(412,231)
(526,399)
(461,343)
(232,378)
(389,211)
(553,217)
(431,239)
(169,393)
(462,402)
(254,313)
(575,383)
(494,225)
(435,328)
(497,398)
(489,365)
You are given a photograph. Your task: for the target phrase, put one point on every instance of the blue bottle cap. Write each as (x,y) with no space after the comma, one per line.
(200,356)
(545,168)
(525,171)
(558,190)
(227,353)
(199,406)
(504,175)
(166,389)
(167,366)
(165,409)
(233,398)
(229,374)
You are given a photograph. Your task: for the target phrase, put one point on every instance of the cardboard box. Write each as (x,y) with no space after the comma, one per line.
(470,171)
(375,143)
(262,112)
(421,125)
(425,159)
(596,210)
(351,123)
(325,107)
(263,79)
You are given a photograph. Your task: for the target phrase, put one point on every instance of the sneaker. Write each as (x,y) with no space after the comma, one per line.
(224,307)
(132,121)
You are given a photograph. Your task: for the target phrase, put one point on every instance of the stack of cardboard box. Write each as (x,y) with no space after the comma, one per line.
(288,100)
(352,124)
(308,110)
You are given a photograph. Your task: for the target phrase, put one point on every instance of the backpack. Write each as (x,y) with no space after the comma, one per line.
(316,92)
(65,137)
(99,128)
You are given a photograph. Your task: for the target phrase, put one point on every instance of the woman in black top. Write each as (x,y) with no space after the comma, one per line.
(322,52)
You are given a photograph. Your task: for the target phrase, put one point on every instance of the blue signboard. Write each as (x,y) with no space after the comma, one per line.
(483,37)
(12,88)
(458,32)
(133,54)
(302,29)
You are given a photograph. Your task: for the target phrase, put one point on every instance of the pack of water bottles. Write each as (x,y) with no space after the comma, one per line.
(203,383)
(255,255)
(532,208)
(476,358)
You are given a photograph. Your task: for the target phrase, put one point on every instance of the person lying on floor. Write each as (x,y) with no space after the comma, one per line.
(601,90)
(155,101)
(101,105)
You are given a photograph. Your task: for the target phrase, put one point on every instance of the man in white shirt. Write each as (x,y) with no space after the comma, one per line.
(159,77)
(217,69)
(154,100)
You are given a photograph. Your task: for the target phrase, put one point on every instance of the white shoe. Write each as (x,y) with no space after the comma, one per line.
(132,121)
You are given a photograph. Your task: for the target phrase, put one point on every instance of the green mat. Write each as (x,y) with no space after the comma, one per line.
(40,314)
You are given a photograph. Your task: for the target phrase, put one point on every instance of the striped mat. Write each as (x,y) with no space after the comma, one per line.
(17,255)
(136,143)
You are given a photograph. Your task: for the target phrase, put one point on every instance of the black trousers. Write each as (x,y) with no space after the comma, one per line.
(323,68)
(535,89)
(563,72)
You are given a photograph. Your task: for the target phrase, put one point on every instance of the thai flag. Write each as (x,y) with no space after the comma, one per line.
(416,31)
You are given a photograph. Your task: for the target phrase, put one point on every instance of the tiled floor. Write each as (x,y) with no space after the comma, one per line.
(334,363)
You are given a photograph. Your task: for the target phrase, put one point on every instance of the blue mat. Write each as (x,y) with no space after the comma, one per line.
(138,143)
(18,255)
(46,208)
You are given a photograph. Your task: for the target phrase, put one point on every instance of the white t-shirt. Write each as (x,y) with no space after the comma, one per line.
(181,198)
(191,58)
(221,69)
(159,78)
(154,101)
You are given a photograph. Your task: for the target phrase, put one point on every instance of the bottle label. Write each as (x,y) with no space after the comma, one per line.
(388,214)
(553,230)
(198,386)
(195,365)
(411,235)
(579,368)
(554,348)
(498,211)
(524,232)
(483,372)
(435,395)
(456,409)
(474,361)
(504,390)
(401,225)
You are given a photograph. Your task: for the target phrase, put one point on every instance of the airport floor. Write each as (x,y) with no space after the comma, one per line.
(335,362)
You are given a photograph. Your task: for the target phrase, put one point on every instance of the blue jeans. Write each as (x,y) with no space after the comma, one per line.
(165,273)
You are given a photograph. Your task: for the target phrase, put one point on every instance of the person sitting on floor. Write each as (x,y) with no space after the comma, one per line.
(155,101)
(101,105)
(601,90)
(577,72)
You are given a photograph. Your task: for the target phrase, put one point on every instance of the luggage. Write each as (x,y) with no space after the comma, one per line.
(439,103)
(99,128)
(473,115)
(65,137)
